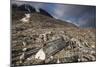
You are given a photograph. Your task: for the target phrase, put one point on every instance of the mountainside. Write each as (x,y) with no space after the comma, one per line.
(32,32)
(26,8)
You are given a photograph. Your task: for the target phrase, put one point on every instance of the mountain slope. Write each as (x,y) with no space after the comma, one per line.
(38,20)
(33,35)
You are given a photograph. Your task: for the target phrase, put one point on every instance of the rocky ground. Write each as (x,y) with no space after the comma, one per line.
(34,34)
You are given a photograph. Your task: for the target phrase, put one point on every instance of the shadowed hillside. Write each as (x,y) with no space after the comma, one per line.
(29,9)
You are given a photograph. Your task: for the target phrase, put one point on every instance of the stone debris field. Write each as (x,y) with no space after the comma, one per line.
(39,39)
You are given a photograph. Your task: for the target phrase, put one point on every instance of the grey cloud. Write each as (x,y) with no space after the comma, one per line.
(77,14)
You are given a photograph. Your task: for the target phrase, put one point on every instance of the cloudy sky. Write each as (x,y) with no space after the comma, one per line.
(80,15)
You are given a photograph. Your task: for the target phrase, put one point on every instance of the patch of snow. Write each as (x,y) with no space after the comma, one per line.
(51,57)
(24,49)
(27,15)
(37,9)
(40,55)
(22,56)
(30,58)
(24,43)
(58,61)
(26,18)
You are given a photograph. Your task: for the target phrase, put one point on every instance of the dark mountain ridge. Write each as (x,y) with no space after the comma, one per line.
(40,19)
(29,9)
